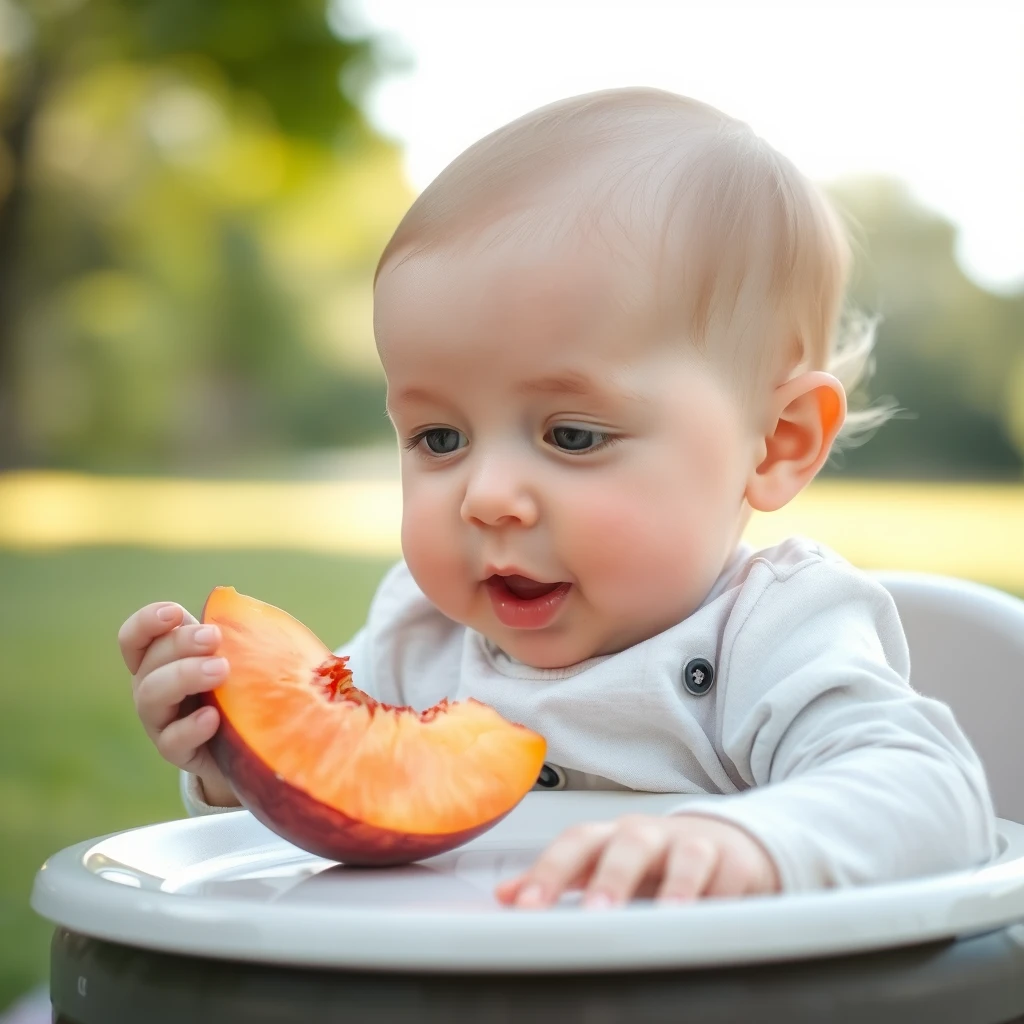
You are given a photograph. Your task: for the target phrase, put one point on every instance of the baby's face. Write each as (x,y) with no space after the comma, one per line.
(573,484)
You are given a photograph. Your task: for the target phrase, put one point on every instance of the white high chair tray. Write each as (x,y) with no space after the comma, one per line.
(225,887)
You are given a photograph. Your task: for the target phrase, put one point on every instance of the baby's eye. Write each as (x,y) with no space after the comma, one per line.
(576,439)
(441,440)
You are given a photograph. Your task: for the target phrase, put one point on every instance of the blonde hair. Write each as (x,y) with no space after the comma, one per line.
(748,256)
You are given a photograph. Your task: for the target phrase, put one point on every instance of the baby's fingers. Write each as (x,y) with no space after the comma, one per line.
(563,864)
(140,629)
(689,868)
(159,694)
(187,641)
(183,741)
(636,850)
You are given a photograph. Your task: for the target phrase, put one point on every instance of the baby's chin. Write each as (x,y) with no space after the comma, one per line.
(576,636)
(568,644)
(535,653)
(551,649)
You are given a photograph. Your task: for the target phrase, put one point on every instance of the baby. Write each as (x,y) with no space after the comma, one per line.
(609,331)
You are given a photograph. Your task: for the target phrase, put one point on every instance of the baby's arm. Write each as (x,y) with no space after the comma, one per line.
(857,778)
(854,777)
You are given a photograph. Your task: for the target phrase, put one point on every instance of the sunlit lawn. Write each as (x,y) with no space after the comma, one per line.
(74,762)
(970,530)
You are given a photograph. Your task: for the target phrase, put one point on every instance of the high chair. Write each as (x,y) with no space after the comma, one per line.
(967,649)
(217,919)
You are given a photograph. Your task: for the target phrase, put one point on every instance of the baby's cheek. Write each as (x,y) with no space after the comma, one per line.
(432,554)
(617,537)
(636,553)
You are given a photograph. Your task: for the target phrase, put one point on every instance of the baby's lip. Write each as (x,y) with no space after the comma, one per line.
(521,584)
(512,571)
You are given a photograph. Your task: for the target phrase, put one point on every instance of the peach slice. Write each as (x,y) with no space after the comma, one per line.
(336,772)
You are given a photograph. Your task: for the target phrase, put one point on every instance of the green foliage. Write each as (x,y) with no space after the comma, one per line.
(74,761)
(191,206)
(194,211)
(950,353)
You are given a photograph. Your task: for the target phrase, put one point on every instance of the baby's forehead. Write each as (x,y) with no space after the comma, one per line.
(596,230)
(513,281)
(659,214)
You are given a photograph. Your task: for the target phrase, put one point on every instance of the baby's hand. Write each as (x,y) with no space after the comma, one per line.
(167,652)
(676,858)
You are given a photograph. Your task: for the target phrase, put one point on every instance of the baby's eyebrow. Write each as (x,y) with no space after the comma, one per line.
(573,383)
(569,383)
(412,394)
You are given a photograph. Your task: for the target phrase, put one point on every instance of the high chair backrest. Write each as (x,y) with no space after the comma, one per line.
(967,649)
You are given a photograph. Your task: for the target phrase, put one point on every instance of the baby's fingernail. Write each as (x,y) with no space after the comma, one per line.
(206,635)
(215,666)
(167,612)
(531,896)
(597,901)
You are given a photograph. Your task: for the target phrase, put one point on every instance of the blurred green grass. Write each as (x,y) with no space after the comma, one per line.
(74,761)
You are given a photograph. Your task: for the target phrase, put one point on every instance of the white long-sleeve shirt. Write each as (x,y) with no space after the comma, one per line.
(810,736)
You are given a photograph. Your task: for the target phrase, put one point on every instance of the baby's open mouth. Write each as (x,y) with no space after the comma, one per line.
(523,587)
(522,603)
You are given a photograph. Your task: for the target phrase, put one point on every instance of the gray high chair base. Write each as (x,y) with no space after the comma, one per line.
(972,981)
(956,631)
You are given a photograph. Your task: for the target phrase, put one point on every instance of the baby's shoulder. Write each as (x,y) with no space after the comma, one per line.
(801,593)
(793,555)
(799,603)
(800,573)
(761,568)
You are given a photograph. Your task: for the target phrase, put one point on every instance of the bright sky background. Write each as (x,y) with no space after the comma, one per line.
(931,92)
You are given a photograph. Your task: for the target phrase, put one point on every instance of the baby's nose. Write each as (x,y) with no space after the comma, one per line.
(499,494)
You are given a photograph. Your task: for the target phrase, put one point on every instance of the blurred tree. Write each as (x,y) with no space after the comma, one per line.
(190,204)
(950,353)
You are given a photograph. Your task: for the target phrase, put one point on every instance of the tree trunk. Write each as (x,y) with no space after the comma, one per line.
(17,138)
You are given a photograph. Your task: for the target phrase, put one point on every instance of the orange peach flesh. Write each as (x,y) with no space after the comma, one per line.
(289,706)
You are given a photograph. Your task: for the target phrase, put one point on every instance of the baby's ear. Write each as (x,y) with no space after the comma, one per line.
(805,415)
